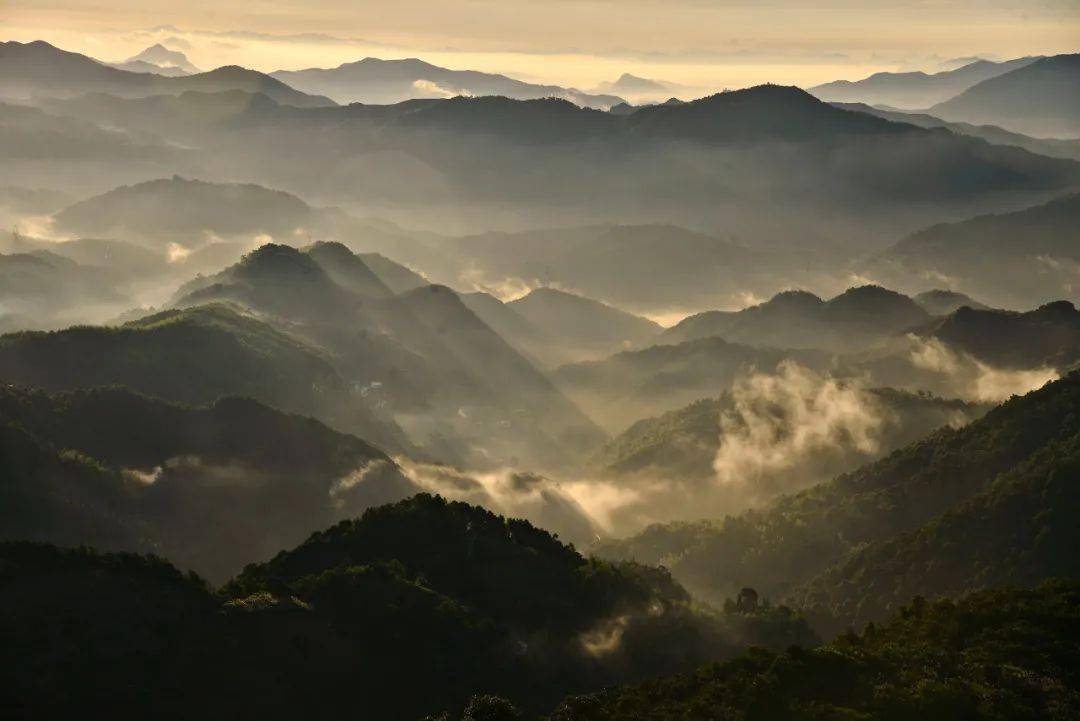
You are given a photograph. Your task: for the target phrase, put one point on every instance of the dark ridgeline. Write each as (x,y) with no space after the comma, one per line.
(407,610)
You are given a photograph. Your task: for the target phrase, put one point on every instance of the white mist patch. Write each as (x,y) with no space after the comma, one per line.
(779,421)
(605,638)
(143,477)
(743,299)
(432,88)
(667,318)
(176,253)
(603,500)
(971,378)
(507,288)
(39,227)
(508,492)
(370,472)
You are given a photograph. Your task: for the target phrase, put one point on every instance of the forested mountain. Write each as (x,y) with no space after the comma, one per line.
(634,384)
(31,133)
(187,210)
(422,353)
(42,288)
(480,396)
(992,655)
(798,319)
(397,592)
(196,355)
(379,81)
(1007,463)
(682,444)
(212,487)
(1048,335)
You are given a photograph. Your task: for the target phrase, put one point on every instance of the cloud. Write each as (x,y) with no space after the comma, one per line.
(972,379)
(430,88)
(544,502)
(782,425)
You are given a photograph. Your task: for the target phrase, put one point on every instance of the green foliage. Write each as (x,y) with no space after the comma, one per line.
(194,356)
(1005,654)
(212,487)
(791,541)
(683,443)
(413,607)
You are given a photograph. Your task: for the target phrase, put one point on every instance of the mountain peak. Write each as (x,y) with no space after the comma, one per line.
(161,56)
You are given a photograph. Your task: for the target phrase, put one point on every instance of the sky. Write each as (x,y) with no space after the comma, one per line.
(702,44)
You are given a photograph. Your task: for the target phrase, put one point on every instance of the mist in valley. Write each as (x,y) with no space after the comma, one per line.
(479,393)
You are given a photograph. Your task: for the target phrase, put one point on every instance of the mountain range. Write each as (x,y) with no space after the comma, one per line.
(397,591)
(682,444)
(160,60)
(1039,99)
(746,130)
(38,69)
(1050,147)
(196,356)
(212,486)
(422,352)
(798,319)
(1011,259)
(916,90)
(935,488)
(375,81)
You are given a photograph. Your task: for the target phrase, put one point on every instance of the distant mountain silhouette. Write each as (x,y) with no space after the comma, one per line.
(165,60)
(394,275)
(1039,99)
(1015,259)
(188,209)
(1046,336)
(915,89)
(38,69)
(635,266)
(632,86)
(588,325)
(1050,147)
(853,319)
(944,302)
(28,133)
(43,289)
(433,151)
(378,81)
(765,111)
